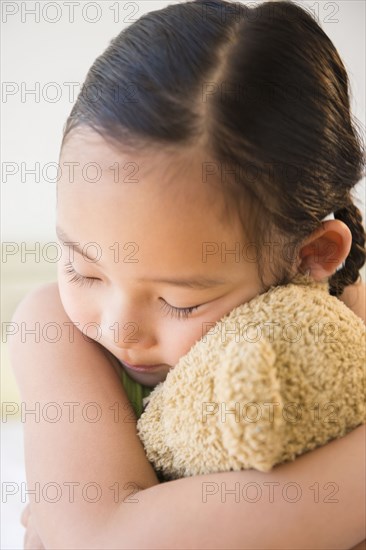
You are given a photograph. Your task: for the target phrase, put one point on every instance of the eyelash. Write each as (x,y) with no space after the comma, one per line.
(178,312)
(79,279)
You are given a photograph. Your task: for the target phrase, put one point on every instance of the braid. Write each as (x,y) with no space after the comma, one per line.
(356,258)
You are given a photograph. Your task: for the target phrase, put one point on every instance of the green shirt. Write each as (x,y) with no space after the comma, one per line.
(135,392)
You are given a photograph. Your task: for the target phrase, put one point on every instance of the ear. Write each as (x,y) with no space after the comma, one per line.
(325,249)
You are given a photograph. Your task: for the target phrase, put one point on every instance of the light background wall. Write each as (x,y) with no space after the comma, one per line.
(36,53)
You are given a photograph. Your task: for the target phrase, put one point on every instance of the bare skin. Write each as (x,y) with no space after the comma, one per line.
(168,242)
(167,223)
(320,465)
(354,296)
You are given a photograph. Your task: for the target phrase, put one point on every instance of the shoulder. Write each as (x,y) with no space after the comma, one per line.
(41,310)
(43,299)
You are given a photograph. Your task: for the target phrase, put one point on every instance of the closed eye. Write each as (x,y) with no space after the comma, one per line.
(179,312)
(77,278)
(81,280)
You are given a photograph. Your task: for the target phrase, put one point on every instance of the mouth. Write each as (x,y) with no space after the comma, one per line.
(143,368)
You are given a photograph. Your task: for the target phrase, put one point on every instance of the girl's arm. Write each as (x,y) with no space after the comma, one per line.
(361,546)
(92,486)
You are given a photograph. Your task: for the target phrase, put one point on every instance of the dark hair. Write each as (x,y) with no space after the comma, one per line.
(260,90)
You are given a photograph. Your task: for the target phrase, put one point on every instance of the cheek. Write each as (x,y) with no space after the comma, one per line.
(77,305)
(183,337)
(180,337)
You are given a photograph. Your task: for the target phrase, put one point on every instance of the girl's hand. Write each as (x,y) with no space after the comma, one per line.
(31,538)
(354,296)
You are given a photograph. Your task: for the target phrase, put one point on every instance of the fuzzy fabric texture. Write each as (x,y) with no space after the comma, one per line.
(276,377)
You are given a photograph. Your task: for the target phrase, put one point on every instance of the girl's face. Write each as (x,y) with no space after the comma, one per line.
(153,268)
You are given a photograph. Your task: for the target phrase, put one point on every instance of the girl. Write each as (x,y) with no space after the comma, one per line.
(207,146)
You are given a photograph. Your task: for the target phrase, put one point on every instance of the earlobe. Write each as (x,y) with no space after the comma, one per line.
(325,249)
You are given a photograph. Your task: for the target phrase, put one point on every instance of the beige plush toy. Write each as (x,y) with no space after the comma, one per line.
(276,377)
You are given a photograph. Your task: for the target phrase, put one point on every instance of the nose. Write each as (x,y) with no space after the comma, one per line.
(127,325)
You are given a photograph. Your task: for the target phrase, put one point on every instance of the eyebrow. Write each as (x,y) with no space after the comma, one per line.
(76,247)
(198,282)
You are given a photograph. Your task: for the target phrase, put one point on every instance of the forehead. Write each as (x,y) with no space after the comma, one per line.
(161,201)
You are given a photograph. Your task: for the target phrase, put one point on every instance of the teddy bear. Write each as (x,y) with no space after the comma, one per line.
(276,377)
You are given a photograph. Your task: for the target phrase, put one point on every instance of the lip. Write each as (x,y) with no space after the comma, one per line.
(142,368)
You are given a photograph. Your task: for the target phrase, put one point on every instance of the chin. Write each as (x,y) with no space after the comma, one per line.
(147,379)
